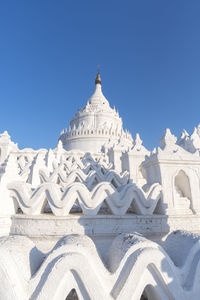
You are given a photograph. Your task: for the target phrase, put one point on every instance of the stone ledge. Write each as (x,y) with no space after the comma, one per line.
(101,225)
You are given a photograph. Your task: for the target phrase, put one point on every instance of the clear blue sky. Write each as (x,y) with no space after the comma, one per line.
(149,57)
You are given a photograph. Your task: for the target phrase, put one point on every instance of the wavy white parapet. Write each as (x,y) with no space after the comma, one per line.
(89,179)
(134,265)
(32,201)
(31,169)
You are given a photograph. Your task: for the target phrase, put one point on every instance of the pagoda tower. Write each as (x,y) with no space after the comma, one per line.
(95,125)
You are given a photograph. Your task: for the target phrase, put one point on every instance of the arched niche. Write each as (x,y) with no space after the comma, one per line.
(182,190)
(182,185)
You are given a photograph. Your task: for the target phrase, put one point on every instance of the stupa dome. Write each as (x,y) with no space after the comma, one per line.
(95,125)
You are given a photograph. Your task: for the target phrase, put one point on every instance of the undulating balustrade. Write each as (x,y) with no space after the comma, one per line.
(70,184)
(135,266)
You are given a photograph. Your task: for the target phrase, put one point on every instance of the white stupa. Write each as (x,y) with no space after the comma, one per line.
(95,125)
(100,217)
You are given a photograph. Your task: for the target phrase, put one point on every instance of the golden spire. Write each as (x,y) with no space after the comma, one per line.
(98,77)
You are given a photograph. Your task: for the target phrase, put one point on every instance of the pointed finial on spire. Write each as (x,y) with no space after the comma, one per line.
(98,77)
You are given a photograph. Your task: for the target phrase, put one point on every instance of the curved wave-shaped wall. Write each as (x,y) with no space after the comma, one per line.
(134,265)
(32,201)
